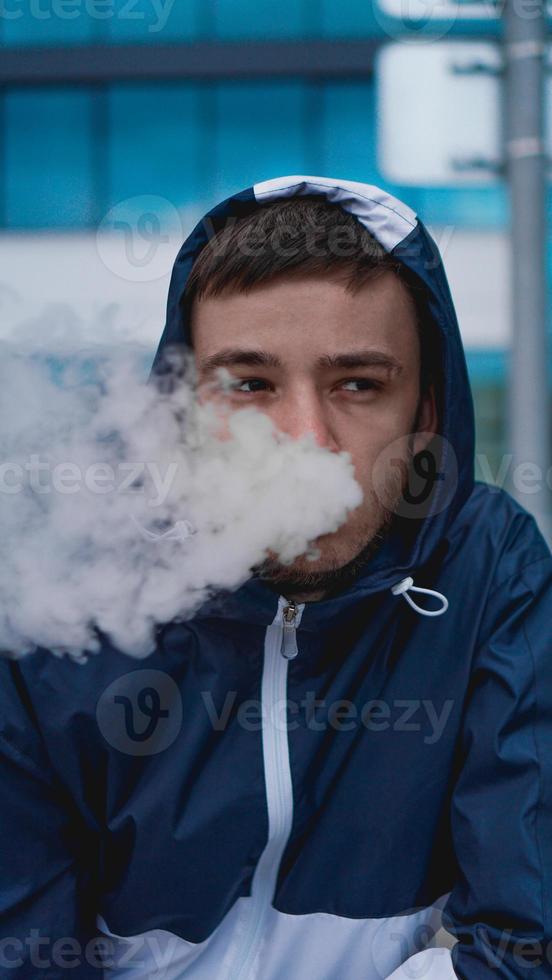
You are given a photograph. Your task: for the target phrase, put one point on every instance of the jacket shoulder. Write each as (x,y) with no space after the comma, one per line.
(44,697)
(498,526)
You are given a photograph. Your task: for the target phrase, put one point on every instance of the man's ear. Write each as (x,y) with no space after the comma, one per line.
(426,420)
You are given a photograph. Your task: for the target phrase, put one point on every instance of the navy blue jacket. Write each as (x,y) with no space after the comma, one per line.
(303,792)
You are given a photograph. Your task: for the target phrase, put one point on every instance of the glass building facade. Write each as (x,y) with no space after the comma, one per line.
(71,152)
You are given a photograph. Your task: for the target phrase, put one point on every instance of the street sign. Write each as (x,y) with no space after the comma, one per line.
(439,113)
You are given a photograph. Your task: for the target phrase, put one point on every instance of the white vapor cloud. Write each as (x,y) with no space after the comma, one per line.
(121,509)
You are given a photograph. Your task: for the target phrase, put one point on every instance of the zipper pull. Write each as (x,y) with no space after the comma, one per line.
(289,635)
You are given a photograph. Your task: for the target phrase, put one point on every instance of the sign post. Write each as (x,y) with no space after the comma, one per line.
(530,432)
(458,113)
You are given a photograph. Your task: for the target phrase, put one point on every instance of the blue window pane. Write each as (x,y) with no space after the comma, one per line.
(154,20)
(463,207)
(260,133)
(349,131)
(351,18)
(250,18)
(156,141)
(486,366)
(479,207)
(47,22)
(48,154)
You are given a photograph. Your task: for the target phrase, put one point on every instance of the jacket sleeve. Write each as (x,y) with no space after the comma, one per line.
(46,930)
(500,908)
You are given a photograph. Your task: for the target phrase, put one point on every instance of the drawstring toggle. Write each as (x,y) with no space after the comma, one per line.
(407,585)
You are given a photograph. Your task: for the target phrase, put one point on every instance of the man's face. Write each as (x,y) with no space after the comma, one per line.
(318,358)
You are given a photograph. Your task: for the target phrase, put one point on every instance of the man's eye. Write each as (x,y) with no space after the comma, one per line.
(237,385)
(366,384)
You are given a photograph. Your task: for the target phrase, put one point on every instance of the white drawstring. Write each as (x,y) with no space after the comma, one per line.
(407,584)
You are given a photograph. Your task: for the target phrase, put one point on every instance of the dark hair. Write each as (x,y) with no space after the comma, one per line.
(304,236)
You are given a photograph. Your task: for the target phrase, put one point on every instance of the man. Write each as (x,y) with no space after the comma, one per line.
(364,746)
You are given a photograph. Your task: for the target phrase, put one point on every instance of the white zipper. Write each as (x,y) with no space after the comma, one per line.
(280,647)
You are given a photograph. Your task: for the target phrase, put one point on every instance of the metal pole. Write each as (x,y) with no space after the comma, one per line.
(529,399)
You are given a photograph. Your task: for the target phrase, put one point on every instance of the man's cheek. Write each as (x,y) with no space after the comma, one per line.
(363,458)
(220,413)
(221,427)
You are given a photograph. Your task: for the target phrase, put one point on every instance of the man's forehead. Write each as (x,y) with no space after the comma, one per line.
(311,314)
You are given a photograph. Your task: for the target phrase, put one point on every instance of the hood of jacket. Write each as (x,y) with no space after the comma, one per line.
(412,543)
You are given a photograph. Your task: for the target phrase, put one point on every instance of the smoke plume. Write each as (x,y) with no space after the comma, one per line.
(121,508)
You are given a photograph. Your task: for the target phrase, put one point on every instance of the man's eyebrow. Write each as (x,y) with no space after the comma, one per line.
(361,358)
(232,356)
